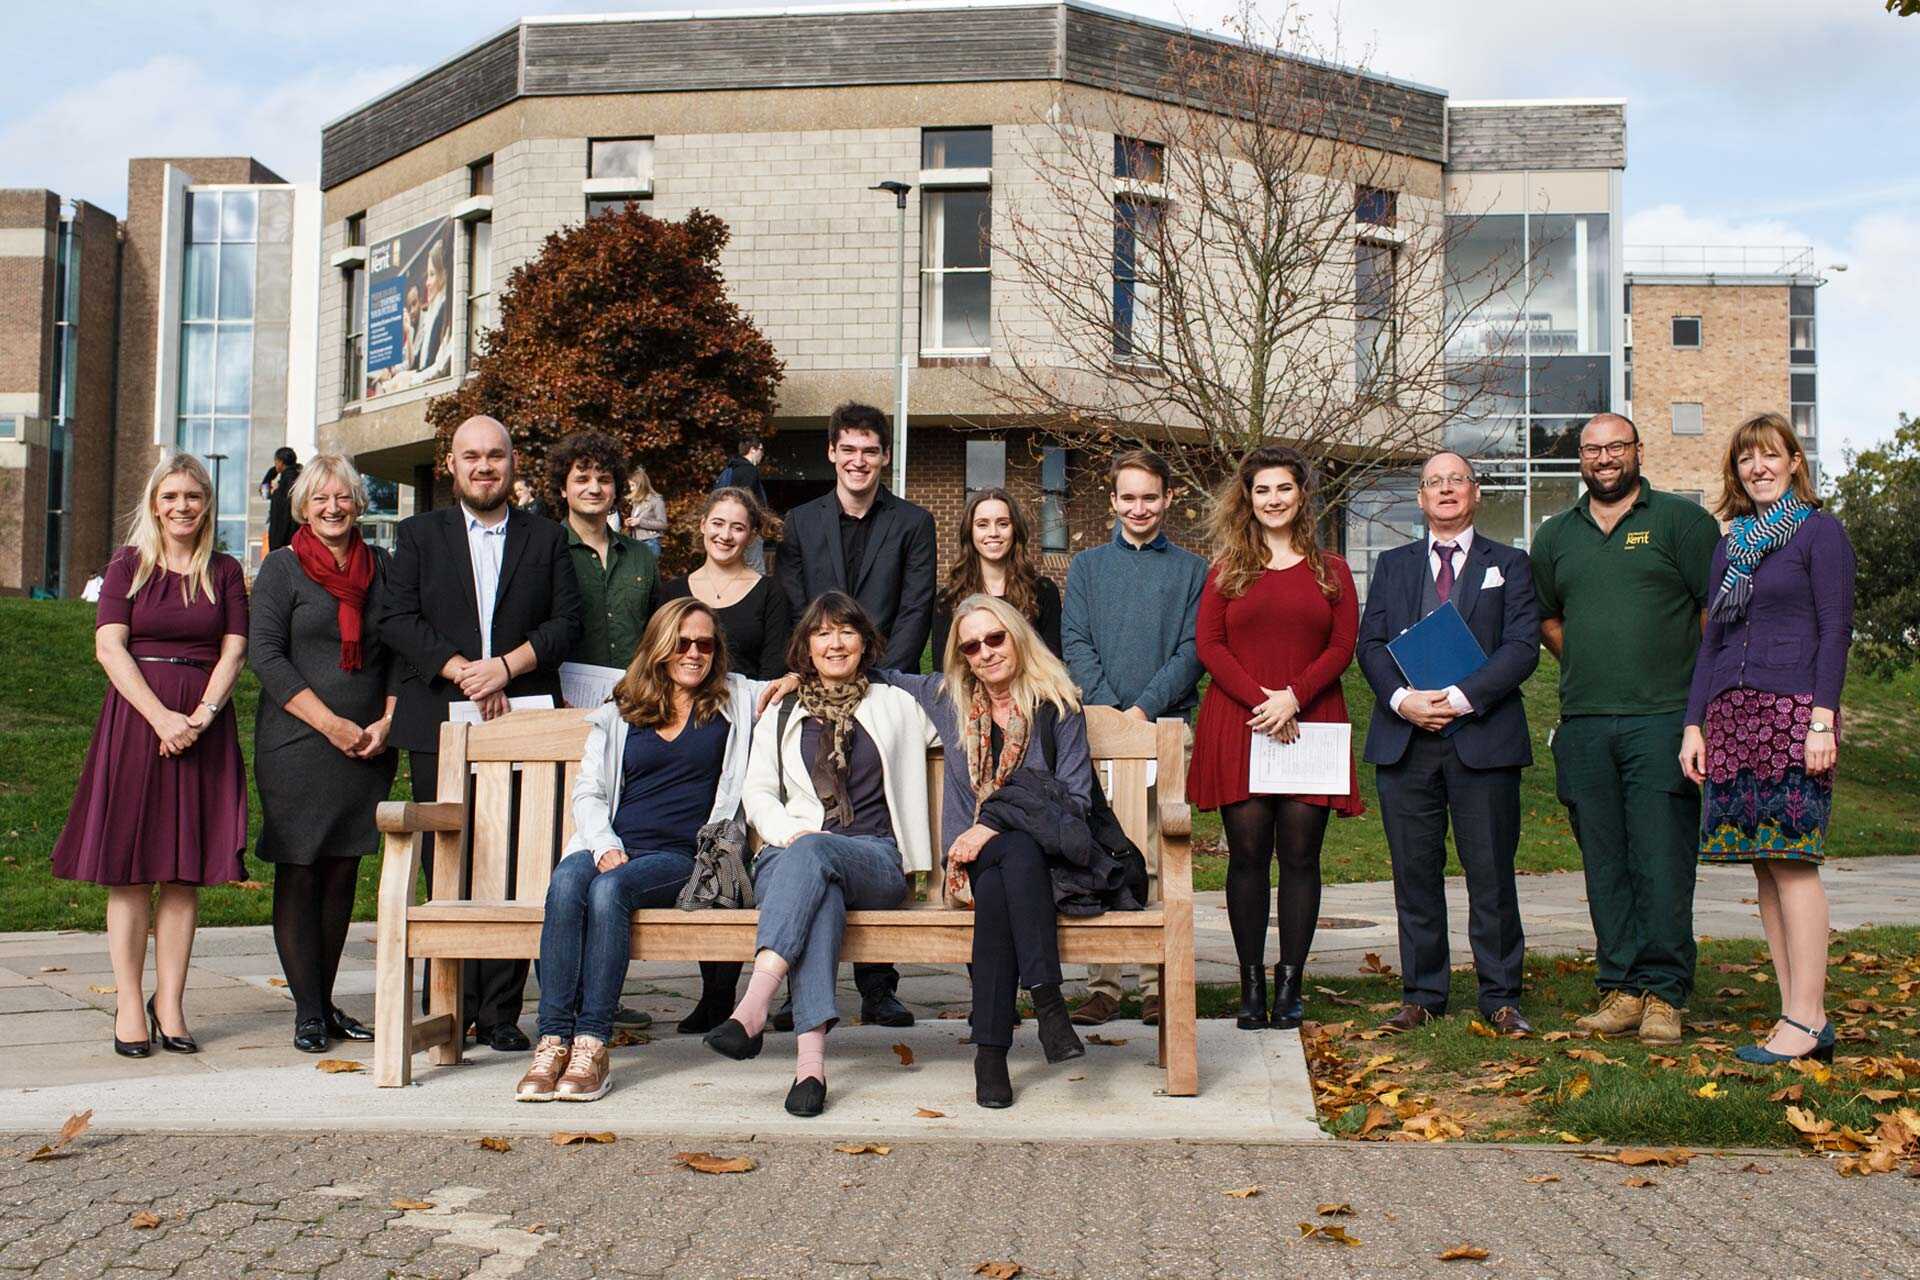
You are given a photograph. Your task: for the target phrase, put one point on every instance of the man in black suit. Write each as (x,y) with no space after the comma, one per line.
(879,549)
(1455,752)
(481,604)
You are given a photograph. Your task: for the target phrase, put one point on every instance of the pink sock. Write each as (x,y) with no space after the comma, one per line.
(752,1010)
(812,1058)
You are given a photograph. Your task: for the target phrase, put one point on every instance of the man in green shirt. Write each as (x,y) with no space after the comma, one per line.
(617,573)
(1622,582)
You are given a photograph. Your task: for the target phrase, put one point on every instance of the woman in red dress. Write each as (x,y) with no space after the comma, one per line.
(1277,623)
(162,800)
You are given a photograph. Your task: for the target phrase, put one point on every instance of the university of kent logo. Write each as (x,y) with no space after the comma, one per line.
(1643,538)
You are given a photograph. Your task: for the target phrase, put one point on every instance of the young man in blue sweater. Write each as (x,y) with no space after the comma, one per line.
(1127,627)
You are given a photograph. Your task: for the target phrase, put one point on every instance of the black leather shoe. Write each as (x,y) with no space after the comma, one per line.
(628,1018)
(1287,1009)
(884,1010)
(1509,1021)
(310,1035)
(504,1037)
(172,1044)
(991,1087)
(703,1018)
(730,1040)
(1058,1040)
(807,1098)
(342,1027)
(133,1048)
(1253,998)
(782,1019)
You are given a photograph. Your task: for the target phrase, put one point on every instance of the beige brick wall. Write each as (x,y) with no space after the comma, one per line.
(1740,369)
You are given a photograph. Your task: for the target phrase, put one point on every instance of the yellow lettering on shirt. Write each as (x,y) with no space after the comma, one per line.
(1641,538)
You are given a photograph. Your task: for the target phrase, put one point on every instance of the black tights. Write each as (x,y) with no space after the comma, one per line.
(312,907)
(1259,829)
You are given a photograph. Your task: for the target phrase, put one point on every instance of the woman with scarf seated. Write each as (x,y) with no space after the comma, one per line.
(837,791)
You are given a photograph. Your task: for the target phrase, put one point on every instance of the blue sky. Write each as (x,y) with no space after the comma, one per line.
(1761,122)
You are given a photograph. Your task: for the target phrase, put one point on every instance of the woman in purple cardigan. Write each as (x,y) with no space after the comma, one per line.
(1760,736)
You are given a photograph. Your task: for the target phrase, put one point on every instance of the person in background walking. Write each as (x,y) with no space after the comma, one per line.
(1453,755)
(646,519)
(996,560)
(1622,579)
(278,486)
(320,755)
(1278,621)
(743,472)
(162,797)
(1762,730)
(1126,632)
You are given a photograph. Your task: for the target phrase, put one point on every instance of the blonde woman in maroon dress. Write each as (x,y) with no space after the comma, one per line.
(162,800)
(1277,625)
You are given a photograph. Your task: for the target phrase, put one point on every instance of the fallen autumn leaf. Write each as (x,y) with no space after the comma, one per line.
(336,1066)
(863,1148)
(1244,1193)
(412,1205)
(495,1144)
(569,1138)
(145,1220)
(1464,1253)
(76,1124)
(1328,1231)
(1334,1209)
(904,1053)
(707,1162)
(999,1270)
(928,1113)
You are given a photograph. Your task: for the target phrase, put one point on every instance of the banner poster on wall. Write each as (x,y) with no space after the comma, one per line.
(410,308)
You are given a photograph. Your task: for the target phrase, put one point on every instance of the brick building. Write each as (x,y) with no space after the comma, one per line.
(1717,335)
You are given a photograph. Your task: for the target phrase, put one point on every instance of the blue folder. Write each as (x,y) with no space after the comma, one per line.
(1438,650)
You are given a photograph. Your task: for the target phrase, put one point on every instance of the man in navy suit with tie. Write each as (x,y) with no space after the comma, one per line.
(1454,753)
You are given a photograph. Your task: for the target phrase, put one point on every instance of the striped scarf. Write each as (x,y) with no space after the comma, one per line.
(1749,541)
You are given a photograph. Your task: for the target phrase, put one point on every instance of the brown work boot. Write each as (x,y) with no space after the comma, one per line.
(589,1073)
(1660,1024)
(1619,1013)
(1150,1010)
(1096,1010)
(549,1064)
(1408,1017)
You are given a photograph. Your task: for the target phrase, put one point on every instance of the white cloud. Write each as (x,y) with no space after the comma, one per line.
(1867,315)
(79,143)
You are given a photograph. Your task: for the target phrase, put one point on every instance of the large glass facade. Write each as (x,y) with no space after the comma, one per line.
(66,302)
(216,350)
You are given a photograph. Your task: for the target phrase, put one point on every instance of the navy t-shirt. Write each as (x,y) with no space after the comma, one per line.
(667,788)
(866,783)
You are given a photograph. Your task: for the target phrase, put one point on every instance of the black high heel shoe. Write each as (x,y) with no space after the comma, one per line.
(341,1027)
(807,1098)
(133,1048)
(1287,1010)
(731,1040)
(310,1035)
(1253,998)
(172,1044)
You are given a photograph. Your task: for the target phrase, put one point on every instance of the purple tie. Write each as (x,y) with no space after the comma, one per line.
(1443,584)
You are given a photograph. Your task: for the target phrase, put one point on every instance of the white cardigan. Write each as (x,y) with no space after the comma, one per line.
(901,732)
(596,792)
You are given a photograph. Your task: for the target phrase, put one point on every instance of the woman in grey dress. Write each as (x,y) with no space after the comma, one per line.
(320,755)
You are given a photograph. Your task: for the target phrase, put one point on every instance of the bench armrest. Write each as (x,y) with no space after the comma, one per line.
(1176,818)
(398,817)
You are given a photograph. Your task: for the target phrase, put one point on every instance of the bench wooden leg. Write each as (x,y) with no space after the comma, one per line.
(444,998)
(1179,1026)
(392,1006)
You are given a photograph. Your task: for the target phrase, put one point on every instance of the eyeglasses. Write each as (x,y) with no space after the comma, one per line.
(993,640)
(702,645)
(1617,449)
(1455,481)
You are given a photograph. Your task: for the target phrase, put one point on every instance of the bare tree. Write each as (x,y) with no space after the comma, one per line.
(1238,260)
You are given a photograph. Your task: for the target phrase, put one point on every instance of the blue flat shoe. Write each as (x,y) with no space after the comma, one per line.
(1760,1055)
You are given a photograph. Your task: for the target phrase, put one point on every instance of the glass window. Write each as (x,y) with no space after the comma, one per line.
(1375,205)
(480,177)
(1139,160)
(1800,300)
(354,354)
(196,435)
(236,282)
(1488,388)
(1502,513)
(1567,306)
(1136,239)
(196,369)
(9,426)
(1487,437)
(1800,340)
(1555,437)
(956,274)
(1548,494)
(1801,388)
(479,284)
(1380,517)
(197,282)
(1570,384)
(1485,283)
(1053,500)
(598,205)
(986,465)
(956,148)
(1805,423)
(203,217)
(620,158)
(233,370)
(357,229)
(1373,280)
(1689,420)
(239,215)
(1698,497)
(1686,331)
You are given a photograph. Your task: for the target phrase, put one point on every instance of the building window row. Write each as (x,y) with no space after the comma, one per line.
(986,468)
(216,350)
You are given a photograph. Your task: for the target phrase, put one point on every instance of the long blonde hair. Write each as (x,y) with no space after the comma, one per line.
(645,694)
(1240,543)
(148,540)
(1041,677)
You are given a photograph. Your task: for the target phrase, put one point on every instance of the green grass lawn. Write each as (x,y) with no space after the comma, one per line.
(51,696)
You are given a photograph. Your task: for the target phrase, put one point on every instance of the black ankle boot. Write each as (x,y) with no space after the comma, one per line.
(1058,1040)
(1253,998)
(1286,997)
(991,1087)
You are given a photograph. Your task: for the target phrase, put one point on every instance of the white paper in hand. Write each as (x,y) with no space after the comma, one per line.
(1319,763)
(469,712)
(585,685)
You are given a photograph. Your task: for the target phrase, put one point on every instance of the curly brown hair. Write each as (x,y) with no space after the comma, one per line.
(966,578)
(596,449)
(1240,544)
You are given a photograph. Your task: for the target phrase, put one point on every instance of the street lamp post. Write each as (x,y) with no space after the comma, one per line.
(899,190)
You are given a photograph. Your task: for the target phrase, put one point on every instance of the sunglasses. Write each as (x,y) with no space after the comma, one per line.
(699,644)
(993,640)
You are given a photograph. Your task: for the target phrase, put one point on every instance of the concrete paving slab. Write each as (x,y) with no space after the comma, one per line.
(36,998)
(1253,1089)
(14,978)
(54,1028)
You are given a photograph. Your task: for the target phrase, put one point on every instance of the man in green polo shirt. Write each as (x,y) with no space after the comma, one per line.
(617,573)
(1622,581)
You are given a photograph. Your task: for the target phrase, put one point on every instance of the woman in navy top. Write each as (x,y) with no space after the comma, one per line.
(1761,734)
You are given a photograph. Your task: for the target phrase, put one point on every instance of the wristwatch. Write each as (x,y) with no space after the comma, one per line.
(213,708)
(1819,727)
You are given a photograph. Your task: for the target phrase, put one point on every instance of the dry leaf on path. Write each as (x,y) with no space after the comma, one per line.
(904,1053)
(863,1148)
(707,1162)
(100,990)
(1669,1158)
(928,1113)
(1370,963)
(76,1124)
(413,1205)
(1464,1253)
(569,1138)
(1097,1038)
(1540,1179)
(1573,1139)
(1244,1193)
(336,1066)
(276,982)
(999,1270)
(53,968)
(495,1144)
(145,1220)
(1328,1231)
(1753,1167)
(1637,1181)
(1334,1209)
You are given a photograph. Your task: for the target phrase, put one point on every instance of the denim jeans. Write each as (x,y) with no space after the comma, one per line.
(587,938)
(805,891)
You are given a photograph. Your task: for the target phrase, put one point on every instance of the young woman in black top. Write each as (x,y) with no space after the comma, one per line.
(995,560)
(751,606)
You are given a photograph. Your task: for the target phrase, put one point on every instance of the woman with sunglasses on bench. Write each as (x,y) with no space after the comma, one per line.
(837,790)
(665,756)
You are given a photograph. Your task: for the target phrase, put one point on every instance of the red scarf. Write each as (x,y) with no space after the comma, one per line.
(348,585)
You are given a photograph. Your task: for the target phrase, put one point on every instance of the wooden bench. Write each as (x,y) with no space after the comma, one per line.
(494,850)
